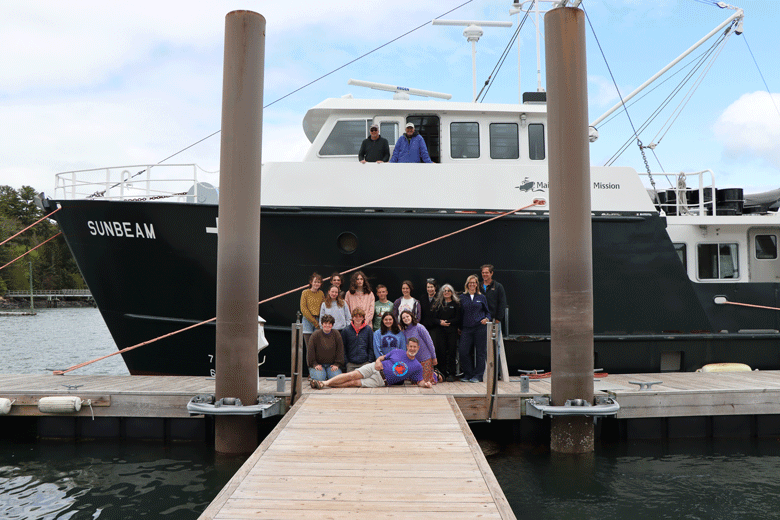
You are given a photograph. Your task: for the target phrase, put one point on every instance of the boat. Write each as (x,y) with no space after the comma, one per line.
(669,266)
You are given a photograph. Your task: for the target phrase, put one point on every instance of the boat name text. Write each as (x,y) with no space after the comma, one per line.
(121,229)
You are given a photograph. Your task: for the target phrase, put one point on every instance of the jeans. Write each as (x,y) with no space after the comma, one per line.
(476,338)
(322,375)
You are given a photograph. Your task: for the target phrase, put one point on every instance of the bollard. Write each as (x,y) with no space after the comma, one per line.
(280,383)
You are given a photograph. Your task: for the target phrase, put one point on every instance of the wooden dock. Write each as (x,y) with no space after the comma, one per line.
(680,394)
(366,456)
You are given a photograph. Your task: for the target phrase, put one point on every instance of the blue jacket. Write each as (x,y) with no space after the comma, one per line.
(410,150)
(358,346)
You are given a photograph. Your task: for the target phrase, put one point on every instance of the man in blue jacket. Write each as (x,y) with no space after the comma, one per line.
(410,148)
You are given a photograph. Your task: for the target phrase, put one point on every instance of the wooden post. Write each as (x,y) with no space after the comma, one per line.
(491,372)
(571,269)
(238,249)
(296,362)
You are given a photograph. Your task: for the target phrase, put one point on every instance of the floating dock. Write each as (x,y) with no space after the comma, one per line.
(365,456)
(682,403)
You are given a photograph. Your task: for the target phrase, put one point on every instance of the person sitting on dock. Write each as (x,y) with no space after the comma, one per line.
(410,148)
(391,369)
(358,339)
(325,351)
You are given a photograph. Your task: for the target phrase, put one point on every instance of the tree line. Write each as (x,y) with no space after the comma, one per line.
(53,266)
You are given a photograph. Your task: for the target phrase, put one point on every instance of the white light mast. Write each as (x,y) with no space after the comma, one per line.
(473,32)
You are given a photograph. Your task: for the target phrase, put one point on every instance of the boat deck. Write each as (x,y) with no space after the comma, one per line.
(679,394)
(365,456)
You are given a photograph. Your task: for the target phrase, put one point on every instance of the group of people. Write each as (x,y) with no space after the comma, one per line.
(365,334)
(410,147)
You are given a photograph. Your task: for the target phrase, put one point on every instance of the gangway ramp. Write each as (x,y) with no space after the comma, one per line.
(365,456)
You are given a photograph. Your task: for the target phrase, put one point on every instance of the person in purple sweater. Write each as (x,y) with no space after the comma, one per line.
(427,354)
(391,369)
(473,332)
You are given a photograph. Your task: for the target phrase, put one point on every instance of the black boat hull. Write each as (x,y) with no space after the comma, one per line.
(151,267)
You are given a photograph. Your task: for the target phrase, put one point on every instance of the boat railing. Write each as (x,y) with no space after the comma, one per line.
(162,182)
(689,194)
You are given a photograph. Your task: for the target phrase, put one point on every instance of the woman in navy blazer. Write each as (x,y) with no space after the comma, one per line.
(473,331)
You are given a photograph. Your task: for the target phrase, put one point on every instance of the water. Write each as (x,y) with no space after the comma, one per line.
(57,338)
(692,479)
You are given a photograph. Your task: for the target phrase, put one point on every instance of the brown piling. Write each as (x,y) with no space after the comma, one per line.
(571,269)
(238,253)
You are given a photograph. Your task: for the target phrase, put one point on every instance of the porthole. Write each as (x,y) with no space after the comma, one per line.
(347,242)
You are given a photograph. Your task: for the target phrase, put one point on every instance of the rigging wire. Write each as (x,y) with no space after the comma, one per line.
(700,61)
(303,87)
(494,73)
(771,97)
(622,102)
(686,99)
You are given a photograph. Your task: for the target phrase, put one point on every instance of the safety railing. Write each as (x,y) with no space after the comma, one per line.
(168,182)
(688,194)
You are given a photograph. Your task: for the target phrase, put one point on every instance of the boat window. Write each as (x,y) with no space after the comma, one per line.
(389,130)
(682,252)
(504,142)
(536,142)
(766,247)
(464,140)
(428,127)
(346,138)
(718,261)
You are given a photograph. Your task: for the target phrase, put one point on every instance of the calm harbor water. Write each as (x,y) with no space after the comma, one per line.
(699,479)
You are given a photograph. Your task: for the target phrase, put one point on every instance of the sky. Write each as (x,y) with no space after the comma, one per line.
(94,84)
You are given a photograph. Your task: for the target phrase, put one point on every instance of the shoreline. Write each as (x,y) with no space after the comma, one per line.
(12,304)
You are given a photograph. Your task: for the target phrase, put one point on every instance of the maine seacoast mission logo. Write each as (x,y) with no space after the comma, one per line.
(528,186)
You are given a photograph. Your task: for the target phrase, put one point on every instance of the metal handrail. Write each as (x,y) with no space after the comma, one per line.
(126,182)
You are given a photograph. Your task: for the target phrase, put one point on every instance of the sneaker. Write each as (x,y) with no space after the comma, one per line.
(465,380)
(474,380)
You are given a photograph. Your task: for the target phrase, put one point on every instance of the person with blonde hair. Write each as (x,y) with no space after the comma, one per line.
(311,299)
(446,309)
(335,306)
(473,336)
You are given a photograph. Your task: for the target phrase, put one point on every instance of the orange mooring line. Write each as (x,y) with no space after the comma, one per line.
(31,250)
(31,225)
(751,305)
(127,349)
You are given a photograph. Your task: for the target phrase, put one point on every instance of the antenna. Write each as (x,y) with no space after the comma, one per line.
(399,92)
(473,33)
(517,8)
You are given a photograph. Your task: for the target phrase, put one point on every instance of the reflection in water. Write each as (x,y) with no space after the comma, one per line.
(698,479)
(110,480)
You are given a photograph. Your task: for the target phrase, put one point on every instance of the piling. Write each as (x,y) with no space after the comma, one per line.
(238,253)
(571,269)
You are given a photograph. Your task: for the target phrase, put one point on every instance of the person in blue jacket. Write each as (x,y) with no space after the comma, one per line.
(410,148)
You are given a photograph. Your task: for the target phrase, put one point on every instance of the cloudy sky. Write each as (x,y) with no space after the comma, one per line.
(93,84)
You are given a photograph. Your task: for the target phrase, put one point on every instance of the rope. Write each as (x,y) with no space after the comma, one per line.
(133,347)
(31,225)
(751,305)
(30,251)
(545,375)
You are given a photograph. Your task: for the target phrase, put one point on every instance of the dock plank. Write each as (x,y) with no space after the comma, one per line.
(386,463)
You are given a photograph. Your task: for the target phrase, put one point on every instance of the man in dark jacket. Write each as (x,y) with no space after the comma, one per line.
(494,293)
(374,148)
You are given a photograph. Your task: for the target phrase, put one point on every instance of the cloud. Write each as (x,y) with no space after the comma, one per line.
(749,128)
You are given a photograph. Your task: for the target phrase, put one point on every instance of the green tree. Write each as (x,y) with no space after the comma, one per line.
(53,265)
